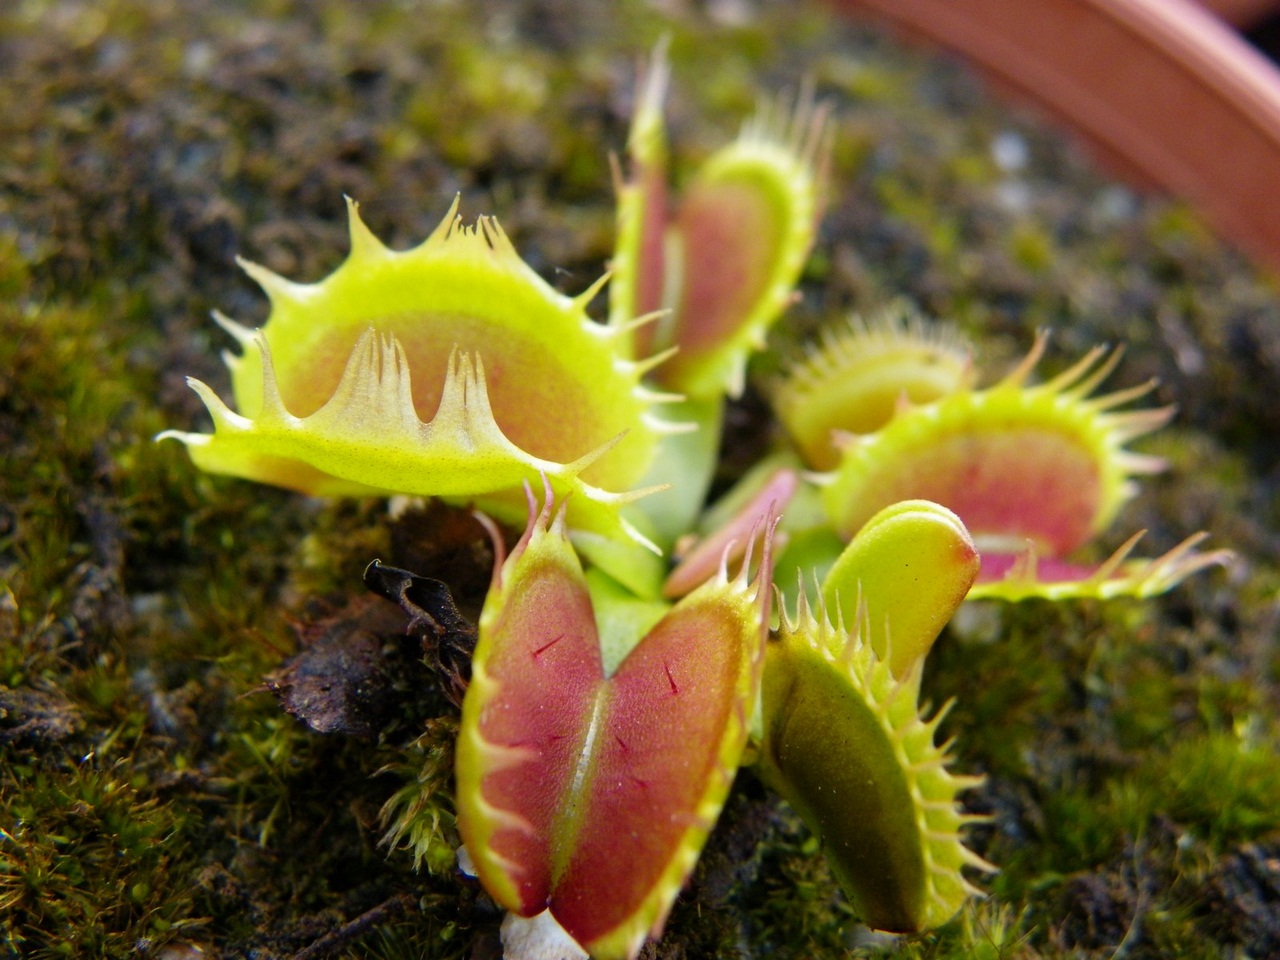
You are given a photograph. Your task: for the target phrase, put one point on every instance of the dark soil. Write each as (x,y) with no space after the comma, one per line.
(157,801)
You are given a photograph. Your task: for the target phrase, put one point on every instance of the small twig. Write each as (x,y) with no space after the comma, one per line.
(332,942)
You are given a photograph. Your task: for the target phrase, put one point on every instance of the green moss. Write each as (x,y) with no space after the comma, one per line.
(790,913)
(152,793)
(419,817)
(1031,247)
(1223,786)
(75,831)
(941,230)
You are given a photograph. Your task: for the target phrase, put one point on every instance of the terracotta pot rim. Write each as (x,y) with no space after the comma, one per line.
(1242,13)
(1162,86)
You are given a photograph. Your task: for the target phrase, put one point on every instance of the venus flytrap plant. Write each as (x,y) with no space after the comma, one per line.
(608,711)
(588,793)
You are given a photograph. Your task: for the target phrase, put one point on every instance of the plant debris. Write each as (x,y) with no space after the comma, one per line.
(148,142)
(448,638)
(343,680)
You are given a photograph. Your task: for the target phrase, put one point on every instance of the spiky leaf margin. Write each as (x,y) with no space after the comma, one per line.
(637,274)
(1022,576)
(854,378)
(946,451)
(363,435)
(845,744)
(727,263)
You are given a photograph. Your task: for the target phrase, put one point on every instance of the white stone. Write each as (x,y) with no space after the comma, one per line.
(538,938)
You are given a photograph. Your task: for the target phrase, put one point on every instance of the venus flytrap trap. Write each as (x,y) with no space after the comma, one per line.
(733,250)
(721,267)
(1035,471)
(608,709)
(857,376)
(716,267)
(448,370)
(588,793)
(842,725)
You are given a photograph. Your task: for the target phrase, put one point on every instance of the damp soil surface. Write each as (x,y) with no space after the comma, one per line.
(203,709)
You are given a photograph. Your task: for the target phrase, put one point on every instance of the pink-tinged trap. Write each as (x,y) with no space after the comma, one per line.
(591,795)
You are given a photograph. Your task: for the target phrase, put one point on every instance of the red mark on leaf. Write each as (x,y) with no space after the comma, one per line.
(675,691)
(547,646)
